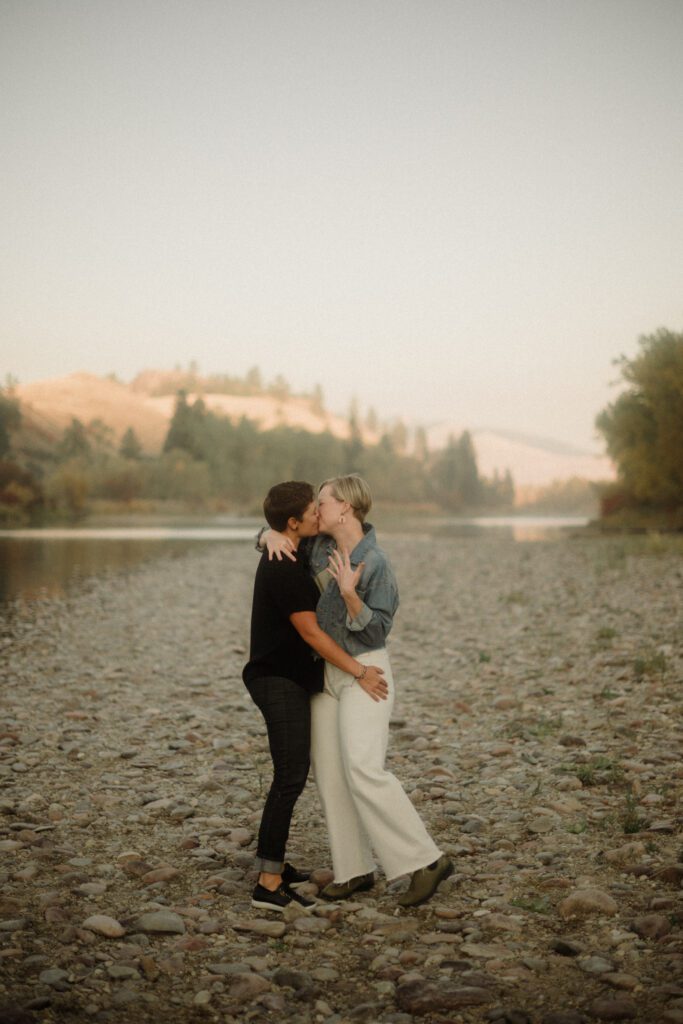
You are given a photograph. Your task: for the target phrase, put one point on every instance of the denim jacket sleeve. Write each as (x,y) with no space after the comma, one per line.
(379,596)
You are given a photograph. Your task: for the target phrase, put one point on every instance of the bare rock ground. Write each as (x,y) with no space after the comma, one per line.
(538,729)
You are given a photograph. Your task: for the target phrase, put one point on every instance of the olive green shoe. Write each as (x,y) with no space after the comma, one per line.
(342,890)
(425,881)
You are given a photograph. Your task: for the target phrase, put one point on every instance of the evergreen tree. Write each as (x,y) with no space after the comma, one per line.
(253,381)
(130,447)
(455,474)
(371,421)
(421,446)
(74,443)
(399,436)
(469,483)
(318,401)
(353,447)
(10,420)
(186,428)
(100,435)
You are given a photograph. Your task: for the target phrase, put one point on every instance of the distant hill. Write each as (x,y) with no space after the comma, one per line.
(51,404)
(87,397)
(534,462)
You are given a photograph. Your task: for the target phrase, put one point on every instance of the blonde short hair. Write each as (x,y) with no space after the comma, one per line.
(351,488)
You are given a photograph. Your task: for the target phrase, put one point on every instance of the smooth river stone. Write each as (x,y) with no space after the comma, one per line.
(104,925)
(587,901)
(161,921)
(161,874)
(420,997)
(273,929)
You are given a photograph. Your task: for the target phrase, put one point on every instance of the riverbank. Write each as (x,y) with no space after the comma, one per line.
(388,515)
(538,729)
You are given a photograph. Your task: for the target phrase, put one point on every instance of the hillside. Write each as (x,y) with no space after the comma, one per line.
(87,397)
(533,462)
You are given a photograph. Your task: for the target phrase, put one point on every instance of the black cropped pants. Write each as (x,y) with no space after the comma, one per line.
(286,709)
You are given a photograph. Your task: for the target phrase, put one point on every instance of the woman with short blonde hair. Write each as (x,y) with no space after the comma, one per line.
(352,489)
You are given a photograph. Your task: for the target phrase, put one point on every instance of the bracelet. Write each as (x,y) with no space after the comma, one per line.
(259,536)
(362,675)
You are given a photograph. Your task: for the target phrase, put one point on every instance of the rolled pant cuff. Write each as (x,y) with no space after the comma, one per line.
(271,867)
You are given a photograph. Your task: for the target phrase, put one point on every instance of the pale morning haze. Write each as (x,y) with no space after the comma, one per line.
(453,210)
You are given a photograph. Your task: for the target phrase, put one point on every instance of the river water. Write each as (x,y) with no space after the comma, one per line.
(38,563)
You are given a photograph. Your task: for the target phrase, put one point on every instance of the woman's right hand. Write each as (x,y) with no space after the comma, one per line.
(374,684)
(277,544)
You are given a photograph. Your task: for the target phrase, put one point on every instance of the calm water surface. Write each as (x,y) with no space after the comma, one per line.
(40,563)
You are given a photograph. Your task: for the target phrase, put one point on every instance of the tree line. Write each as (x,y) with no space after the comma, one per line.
(209,462)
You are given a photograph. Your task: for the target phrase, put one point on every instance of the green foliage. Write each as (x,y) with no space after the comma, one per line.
(75,443)
(631,820)
(499,492)
(130,447)
(208,457)
(21,494)
(643,428)
(534,904)
(575,496)
(455,475)
(577,827)
(649,663)
(176,475)
(120,479)
(242,462)
(599,771)
(186,431)
(68,488)
(101,436)
(10,420)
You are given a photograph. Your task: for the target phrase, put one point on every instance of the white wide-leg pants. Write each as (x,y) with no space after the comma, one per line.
(365,806)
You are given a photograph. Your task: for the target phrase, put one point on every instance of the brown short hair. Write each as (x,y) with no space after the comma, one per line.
(352,488)
(287,500)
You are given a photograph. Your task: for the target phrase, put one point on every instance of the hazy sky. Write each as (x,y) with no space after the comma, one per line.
(456,209)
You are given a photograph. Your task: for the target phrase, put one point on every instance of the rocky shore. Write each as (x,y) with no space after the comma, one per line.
(538,729)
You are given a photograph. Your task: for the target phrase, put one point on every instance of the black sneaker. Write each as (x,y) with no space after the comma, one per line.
(279,899)
(292,876)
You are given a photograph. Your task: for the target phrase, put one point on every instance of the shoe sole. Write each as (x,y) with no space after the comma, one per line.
(262,905)
(418,903)
(365,887)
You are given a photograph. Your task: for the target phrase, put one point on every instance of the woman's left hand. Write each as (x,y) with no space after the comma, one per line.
(343,572)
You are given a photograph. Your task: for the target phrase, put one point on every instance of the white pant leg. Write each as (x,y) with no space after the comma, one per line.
(351,853)
(395,829)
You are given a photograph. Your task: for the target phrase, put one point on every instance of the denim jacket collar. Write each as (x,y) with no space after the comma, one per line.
(369,540)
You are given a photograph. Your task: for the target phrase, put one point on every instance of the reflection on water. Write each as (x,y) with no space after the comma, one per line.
(40,563)
(133,533)
(517,528)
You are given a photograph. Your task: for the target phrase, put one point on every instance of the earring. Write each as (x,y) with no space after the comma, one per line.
(342,520)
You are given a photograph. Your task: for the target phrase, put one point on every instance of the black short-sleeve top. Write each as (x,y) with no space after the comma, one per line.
(282,588)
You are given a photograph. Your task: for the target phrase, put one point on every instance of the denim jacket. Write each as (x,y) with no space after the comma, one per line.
(376,588)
